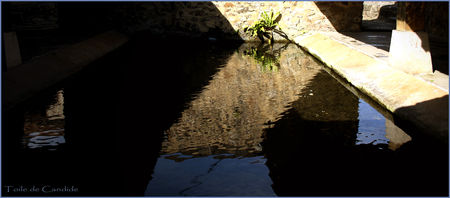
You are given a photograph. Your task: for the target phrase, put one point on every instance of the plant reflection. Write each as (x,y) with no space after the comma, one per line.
(266,56)
(228,116)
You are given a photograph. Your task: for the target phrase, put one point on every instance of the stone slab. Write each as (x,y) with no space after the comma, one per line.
(23,81)
(406,96)
(12,50)
(376,45)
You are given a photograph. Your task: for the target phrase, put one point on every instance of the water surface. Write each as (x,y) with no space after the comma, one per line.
(214,120)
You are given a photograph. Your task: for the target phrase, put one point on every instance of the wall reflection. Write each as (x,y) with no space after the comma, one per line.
(44,129)
(229,115)
(306,150)
(374,129)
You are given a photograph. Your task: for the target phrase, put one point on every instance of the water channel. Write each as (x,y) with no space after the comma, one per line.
(194,119)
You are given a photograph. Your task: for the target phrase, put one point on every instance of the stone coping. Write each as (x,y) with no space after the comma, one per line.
(23,81)
(408,97)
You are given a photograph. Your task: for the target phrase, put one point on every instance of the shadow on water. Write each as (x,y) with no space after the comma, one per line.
(316,150)
(155,92)
(115,111)
(217,139)
(178,118)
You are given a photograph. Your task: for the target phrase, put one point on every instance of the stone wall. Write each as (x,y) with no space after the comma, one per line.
(30,16)
(372,8)
(226,19)
(297,17)
(190,19)
(194,19)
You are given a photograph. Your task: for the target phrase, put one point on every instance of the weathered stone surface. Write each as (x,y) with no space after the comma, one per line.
(372,9)
(31,16)
(297,17)
(410,52)
(228,4)
(408,97)
(231,17)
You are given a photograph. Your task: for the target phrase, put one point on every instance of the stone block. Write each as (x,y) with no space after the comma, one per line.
(419,103)
(397,137)
(12,50)
(410,52)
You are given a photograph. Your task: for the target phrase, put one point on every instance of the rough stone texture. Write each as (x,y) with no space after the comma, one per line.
(30,16)
(296,16)
(188,19)
(372,9)
(408,97)
(219,17)
(379,15)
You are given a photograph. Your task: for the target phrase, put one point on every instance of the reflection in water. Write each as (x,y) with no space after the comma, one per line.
(228,118)
(374,129)
(306,149)
(229,115)
(310,132)
(323,147)
(371,126)
(266,56)
(220,175)
(45,129)
(397,137)
(289,131)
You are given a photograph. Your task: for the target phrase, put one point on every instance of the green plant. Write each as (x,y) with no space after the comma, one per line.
(265,26)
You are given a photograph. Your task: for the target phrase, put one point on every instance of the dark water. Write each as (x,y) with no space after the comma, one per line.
(194,119)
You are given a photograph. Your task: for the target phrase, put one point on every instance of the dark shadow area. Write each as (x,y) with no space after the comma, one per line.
(436,24)
(305,148)
(46,26)
(311,155)
(115,112)
(433,116)
(344,16)
(439,54)
(42,27)
(380,40)
(386,20)
(377,32)
(116,108)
